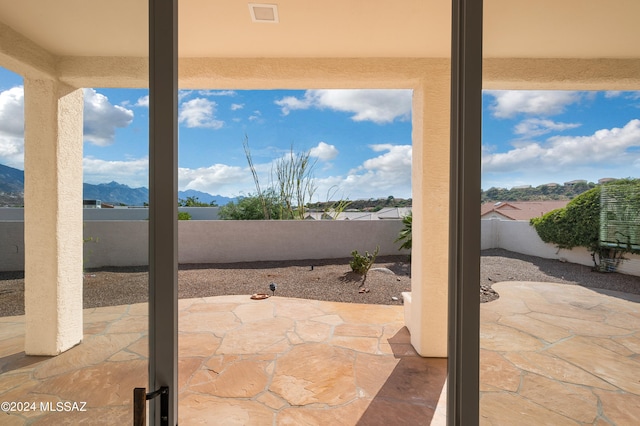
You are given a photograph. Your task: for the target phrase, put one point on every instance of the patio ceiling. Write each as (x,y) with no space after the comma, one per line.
(330,28)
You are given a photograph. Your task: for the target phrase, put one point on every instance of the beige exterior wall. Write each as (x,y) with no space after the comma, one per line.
(53,217)
(309,73)
(560,74)
(24,57)
(430,183)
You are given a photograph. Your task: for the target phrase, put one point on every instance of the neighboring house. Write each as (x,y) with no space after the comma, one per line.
(606,180)
(575,182)
(519,210)
(92,204)
(384,214)
(394,213)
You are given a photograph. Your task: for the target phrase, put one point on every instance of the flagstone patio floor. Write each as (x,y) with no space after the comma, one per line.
(550,354)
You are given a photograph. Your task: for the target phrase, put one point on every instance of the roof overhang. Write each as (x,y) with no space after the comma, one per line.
(524,40)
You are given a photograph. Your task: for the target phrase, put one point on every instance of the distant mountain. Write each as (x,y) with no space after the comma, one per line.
(205,197)
(115,193)
(11,180)
(11,186)
(12,191)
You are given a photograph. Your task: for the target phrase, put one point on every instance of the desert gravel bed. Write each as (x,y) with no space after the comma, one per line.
(501,265)
(314,279)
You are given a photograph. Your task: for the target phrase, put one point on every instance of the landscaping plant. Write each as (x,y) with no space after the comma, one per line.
(360,264)
(405,234)
(578,225)
(293,188)
(333,209)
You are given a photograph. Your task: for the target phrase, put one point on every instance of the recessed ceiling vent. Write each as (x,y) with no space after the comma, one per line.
(264,12)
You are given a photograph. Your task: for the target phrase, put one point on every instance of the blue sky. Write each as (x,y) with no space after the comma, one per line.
(360,139)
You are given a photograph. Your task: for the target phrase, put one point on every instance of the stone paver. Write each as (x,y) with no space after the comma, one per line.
(559,354)
(276,361)
(550,354)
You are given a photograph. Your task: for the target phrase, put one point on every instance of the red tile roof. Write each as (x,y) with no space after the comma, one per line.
(521,210)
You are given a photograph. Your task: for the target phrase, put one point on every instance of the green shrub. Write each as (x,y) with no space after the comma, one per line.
(184,216)
(578,225)
(405,234)
(252,207)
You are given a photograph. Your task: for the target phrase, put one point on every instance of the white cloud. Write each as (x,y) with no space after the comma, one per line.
(509,103)
(132,172)
(612,94)
(101,118)
(219,179)
(217,92)
(632,95)
(12,112)
(397,159)
(235,107)
(12,127)
(143,101)
(324,152)
(183,94)
(291,103)
(377,105)
(199,112)
(256,116)
(536,126)
(389,173)
(606,147)
(12,151)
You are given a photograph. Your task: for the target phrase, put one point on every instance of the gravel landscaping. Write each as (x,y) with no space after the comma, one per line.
(329,279)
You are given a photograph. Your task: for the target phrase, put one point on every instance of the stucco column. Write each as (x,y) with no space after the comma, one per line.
(430,182)
(52,216)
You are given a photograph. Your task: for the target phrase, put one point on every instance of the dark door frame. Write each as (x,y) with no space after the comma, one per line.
(163,206)
(464,222)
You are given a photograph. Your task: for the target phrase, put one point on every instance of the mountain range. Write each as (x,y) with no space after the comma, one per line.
(12,192)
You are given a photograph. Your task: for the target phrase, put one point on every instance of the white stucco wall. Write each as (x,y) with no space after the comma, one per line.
(234,241)
(120,243)
(201,213)
(11,213)
(141,213)
(520,237)
(12,246)
(116,243)
(115,214)
(124,243)
(53,126)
